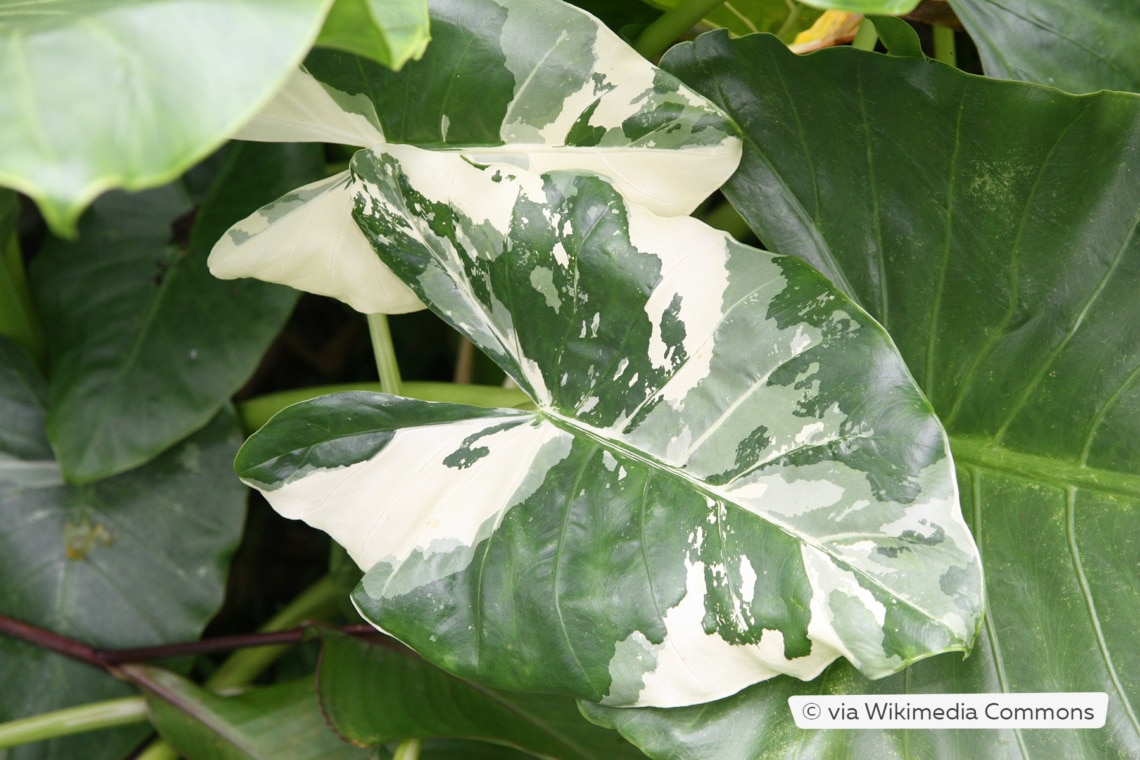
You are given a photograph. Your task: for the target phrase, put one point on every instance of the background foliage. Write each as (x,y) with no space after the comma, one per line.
(990,226)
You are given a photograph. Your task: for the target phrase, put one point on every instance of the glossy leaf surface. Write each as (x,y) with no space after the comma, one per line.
(729,475)
(1075,46)
(972,219)
(144,345)
(126,94)
(373,695)
(135,560)
(539,85)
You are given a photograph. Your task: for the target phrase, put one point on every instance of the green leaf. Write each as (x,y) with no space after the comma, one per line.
(280,721)
(131,94)
(373,695)
(144,345)
(17,316)
(541,85)
(784,18)
(390,32)
(972,219)
(1080,46)
(729,475)
(898,36)
(135,560)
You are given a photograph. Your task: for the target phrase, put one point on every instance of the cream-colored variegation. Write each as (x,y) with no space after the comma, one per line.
(668,174)
(675,371)
(376,514)
(276,244)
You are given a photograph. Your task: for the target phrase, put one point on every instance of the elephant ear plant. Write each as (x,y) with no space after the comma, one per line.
(718,474)
(728,473)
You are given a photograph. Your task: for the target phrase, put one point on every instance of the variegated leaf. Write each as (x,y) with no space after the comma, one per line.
(729,475)
(541,85)
(275,243)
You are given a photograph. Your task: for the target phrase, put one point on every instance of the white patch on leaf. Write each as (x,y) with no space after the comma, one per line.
(837,629)
(405,498)
(694,667)
(308,240)
(542,280)
(747,580)
(694,277)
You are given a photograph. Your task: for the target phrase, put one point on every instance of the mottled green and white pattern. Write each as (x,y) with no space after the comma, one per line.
(729,475)
(539,85)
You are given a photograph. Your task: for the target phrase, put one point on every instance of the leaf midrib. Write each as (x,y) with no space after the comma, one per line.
(577,428)
(1038,468)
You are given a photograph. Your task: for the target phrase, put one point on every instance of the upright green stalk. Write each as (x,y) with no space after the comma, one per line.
(17,317)
(409,749)
(866,37)
(944,49)
(663,32)
(74,720)
(385,353)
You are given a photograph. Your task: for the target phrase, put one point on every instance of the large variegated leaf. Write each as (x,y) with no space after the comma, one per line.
(541,85)
(730,473)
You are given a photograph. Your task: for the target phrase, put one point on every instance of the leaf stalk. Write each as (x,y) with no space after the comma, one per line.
(74,720)
(662,33)
(385,353)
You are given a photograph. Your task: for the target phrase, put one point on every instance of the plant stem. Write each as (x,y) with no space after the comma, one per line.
(17,316)
(74,720)
(658,36)
(866,37)
(409,749)
(242,667)
(158,750)
(944,49)
(385,353)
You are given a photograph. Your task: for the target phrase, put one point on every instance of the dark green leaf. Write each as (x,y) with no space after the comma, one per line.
(132,93)
(898,36)
(134,560)
(974,220)
(145,346)
(373,695)
(278,722)
(1076,45)
(17,317)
